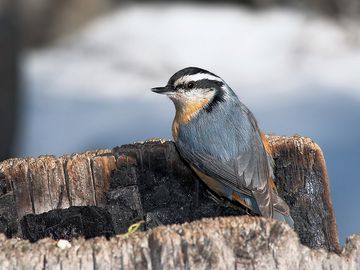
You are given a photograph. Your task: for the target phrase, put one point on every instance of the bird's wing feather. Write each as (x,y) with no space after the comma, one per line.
(229,148)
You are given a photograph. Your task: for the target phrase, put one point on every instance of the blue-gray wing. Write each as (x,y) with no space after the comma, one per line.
(227,146)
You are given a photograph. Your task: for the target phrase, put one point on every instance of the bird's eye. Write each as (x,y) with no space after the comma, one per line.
(190,85)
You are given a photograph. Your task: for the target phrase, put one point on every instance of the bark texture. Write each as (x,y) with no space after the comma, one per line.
(149,181)
(220,243)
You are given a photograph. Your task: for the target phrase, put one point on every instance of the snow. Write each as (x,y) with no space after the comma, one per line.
(134,48)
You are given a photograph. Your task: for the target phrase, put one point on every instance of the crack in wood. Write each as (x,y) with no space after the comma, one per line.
(30,187)
(67,182)
(91,162)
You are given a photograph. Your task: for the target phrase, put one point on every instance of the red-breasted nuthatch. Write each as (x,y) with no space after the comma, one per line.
(220,139)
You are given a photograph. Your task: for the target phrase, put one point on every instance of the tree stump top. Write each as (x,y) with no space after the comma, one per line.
(219,243)
(149,181)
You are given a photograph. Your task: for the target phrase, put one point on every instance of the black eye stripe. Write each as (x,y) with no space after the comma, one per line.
(206,83)
(200,84)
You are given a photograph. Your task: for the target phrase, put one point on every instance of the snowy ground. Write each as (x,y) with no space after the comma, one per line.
(299,74)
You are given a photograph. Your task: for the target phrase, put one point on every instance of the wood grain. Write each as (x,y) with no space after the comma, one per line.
(152,176)
(220,243)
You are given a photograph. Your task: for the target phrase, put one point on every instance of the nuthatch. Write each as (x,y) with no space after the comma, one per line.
(220,139)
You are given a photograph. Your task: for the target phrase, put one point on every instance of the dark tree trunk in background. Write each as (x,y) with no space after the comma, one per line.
(9,48)
(45,21)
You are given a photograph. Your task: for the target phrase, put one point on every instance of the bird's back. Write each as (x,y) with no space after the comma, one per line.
(226,150)
(226,144)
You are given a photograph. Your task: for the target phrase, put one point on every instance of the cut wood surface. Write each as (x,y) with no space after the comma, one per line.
(149,181)
(220,243)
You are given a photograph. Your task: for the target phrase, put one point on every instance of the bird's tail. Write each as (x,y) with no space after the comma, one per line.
(283,217)
(280,210)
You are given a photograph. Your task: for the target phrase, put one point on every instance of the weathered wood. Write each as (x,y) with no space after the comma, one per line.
(39,183)
(151,182)
(74,222)
(79,175)
(220,243)
(303,181)
(101,167)
(80,180)
(57,182)
(19,179)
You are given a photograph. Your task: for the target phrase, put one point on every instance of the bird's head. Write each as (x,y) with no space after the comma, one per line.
(192,89)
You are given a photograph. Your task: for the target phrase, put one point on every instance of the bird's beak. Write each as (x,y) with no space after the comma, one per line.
(161,90)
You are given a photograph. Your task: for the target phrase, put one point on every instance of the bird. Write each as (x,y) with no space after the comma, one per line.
(218,136)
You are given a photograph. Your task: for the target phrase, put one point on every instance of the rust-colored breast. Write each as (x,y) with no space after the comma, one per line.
(185,114)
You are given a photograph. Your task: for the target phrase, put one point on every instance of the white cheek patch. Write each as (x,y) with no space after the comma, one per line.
(185,97)
(197,77)
(198,94)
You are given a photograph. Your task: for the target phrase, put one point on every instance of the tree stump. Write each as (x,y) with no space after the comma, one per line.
(149,181)
(221,243)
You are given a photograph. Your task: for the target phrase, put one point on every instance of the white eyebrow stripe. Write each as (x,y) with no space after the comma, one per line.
(197,77)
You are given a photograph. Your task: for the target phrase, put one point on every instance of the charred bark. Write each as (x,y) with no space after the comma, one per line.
(149,181)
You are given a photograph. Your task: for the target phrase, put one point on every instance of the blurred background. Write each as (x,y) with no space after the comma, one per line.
(75,75)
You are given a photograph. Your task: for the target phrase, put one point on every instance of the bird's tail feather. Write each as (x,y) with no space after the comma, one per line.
(280,210)
(283,217)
